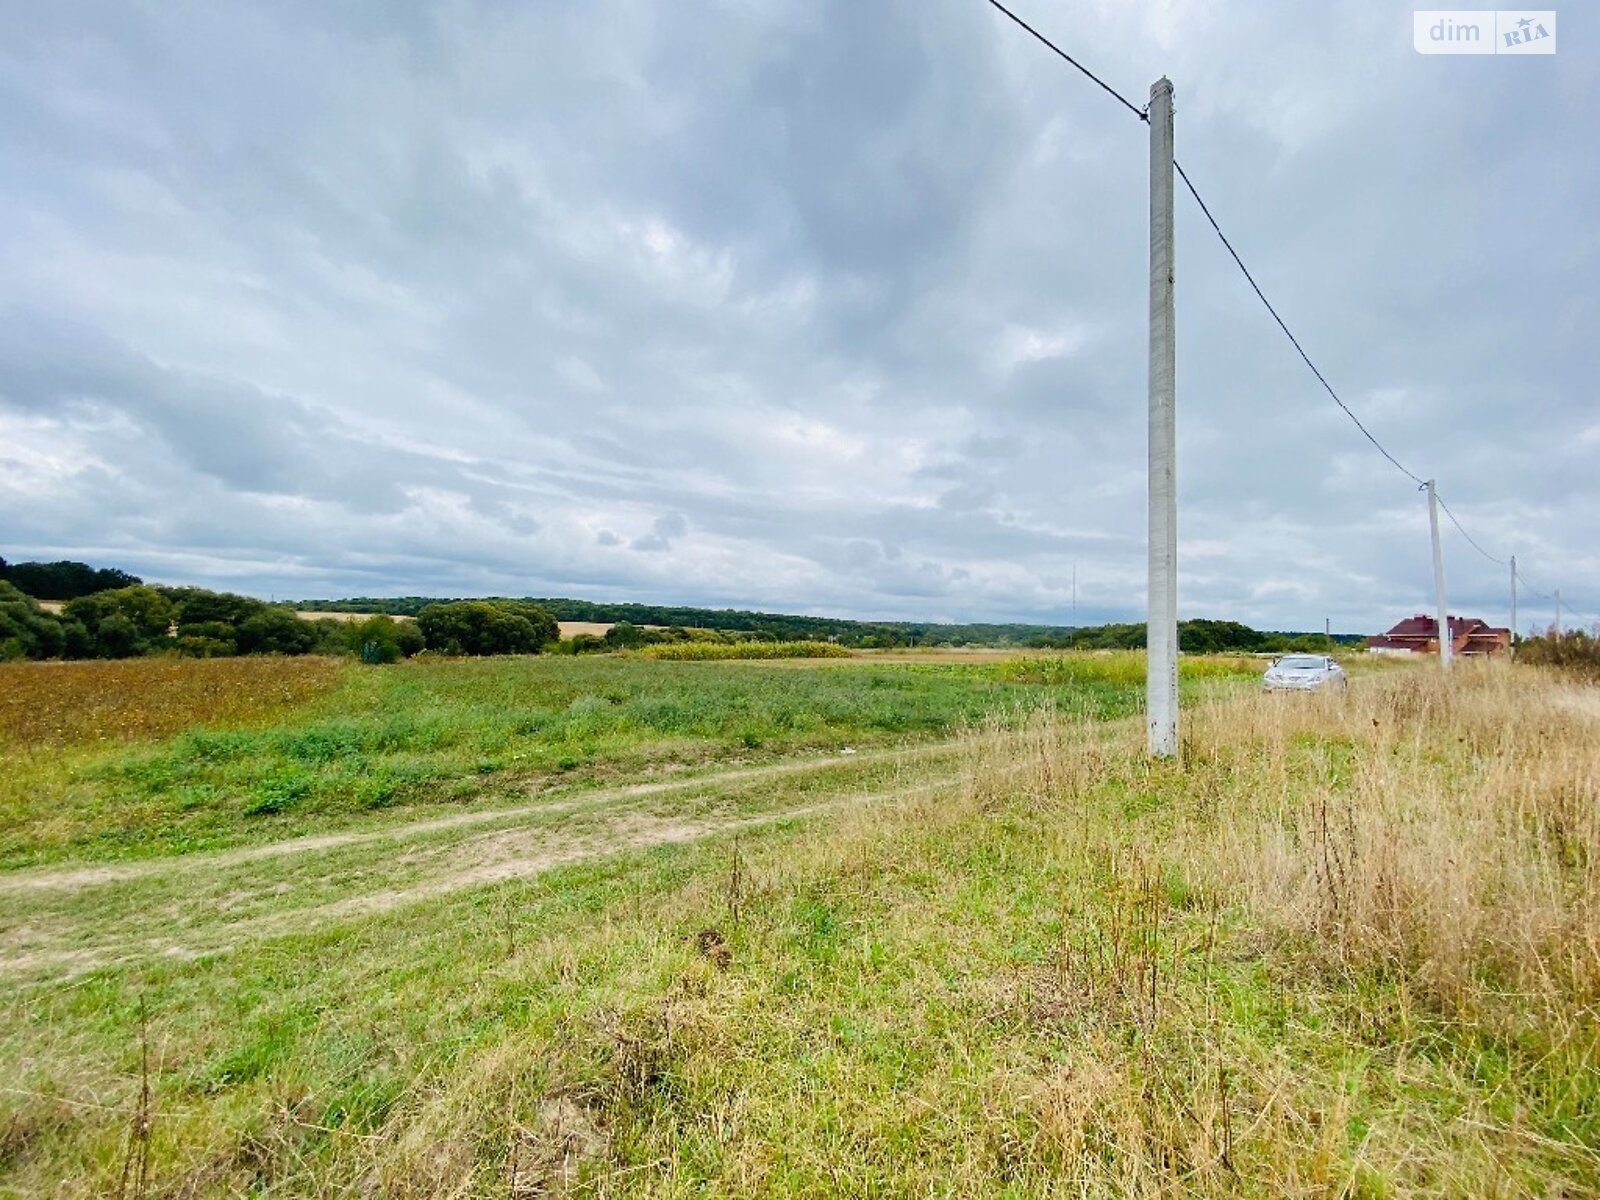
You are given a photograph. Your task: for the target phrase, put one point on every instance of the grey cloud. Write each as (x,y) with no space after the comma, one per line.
(465,299)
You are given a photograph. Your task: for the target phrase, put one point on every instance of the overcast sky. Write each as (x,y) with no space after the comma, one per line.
(832,306)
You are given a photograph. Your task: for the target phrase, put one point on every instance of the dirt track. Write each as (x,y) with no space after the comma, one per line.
(73,878)
(197,905)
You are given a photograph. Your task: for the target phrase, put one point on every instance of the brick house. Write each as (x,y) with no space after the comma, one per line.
(1420,635)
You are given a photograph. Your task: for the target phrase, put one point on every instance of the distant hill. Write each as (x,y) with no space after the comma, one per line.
(1198,636)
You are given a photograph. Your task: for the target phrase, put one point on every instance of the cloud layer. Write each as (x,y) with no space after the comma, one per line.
(822,307)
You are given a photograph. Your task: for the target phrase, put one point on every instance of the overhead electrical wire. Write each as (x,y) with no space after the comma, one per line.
(1104,86)
(1472,541)
(1144,115)
(1293,341)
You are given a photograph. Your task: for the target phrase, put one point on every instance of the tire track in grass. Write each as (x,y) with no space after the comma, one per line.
(73,878)
(492,856)
(538,852)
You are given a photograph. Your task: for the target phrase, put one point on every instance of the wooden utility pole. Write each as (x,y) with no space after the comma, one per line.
(1445,648)
(1161,625)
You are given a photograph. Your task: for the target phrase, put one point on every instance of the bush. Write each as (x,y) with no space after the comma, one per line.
(377,639)
(625,635)
(477,627)
(409,638)
(1577,652)
(26,630)
(116,636)
(332,635)
(192,605)
(206,639)
(277,631)
(123,622)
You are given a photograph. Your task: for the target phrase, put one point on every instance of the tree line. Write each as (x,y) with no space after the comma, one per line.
(63,580)
(110,613)
(1200,636)
(138,619)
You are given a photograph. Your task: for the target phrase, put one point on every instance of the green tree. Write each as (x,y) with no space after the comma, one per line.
(485,627)
(275,630)
(192,605)
(27,630)
(206,639)
(376,640)
(626,635)
(545,627)
(116,636)
(63,580)
(124,621)
(409,638)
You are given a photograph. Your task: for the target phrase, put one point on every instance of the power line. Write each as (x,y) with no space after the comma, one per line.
(1144,116)
(1294,341)
(1566,605)
(1193,191)
(1106,87)
(1472,541)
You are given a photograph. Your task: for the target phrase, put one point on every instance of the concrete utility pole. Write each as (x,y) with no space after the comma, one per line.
(1438,577)
(1161,625)
(1512,649)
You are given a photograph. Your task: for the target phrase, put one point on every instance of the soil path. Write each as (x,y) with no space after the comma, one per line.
(71,878)
(494,858)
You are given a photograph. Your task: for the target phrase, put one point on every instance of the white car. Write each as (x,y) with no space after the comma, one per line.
(1304,673)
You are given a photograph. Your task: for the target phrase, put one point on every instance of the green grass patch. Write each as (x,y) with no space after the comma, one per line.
(479,731)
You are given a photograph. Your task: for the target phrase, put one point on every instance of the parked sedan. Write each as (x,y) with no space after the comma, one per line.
(1304,673)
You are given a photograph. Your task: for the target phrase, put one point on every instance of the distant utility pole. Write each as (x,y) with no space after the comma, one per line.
(1161,625)
(1558,614)
(1512,649)
(1438,576)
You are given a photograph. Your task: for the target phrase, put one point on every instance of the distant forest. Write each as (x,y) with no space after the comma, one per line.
(1194,637)
(111,613)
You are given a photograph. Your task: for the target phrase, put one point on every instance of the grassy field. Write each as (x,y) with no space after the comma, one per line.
(1350,947)
(152,757)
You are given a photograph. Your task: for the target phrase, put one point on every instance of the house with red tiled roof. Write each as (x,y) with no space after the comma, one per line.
(1420,635)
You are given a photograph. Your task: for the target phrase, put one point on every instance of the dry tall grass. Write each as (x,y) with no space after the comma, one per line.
(1446,832)
(1411,869)
(1351,947)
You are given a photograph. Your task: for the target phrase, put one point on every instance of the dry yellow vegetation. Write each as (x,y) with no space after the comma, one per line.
(69,703)
(592,628)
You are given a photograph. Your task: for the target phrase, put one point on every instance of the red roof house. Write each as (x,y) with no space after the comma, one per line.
(1420,635)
